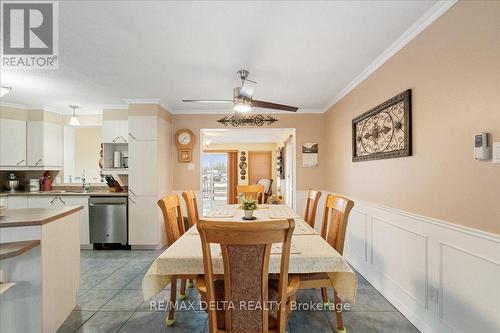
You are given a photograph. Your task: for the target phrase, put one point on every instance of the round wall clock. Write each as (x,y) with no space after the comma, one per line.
(184,139)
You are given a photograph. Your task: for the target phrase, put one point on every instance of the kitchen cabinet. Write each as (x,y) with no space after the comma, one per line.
(44,144)
(143,227)
(142,127)
(115,131)
(60,201)
(12,142)
(16,202)
(4,201)
(143,167)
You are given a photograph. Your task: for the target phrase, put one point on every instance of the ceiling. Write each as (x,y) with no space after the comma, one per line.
(304,54)
(225,136)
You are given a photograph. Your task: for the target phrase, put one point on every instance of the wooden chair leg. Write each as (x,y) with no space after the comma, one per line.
(182,293)
(190,283)
(173,297)
(338,313)
(324,294)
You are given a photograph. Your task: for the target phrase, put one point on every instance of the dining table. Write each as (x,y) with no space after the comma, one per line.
(310,253)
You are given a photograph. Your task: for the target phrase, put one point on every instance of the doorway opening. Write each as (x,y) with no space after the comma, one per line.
(232,157)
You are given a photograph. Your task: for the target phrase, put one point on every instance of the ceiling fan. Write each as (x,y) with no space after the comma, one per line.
(243,97)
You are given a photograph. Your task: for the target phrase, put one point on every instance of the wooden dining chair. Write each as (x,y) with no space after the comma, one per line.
(246,250)
(191,207)
(174,227)
(333,230)
(253,191)
(312,201)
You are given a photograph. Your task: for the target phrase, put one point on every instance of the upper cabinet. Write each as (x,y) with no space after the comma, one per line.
(142,127)
(115,131)
(44,144)
(12,143)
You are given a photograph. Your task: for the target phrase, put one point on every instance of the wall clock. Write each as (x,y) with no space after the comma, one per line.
(184,139)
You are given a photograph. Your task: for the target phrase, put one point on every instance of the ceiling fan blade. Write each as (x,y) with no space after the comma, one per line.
(208,100)
(247,88)
(269,105)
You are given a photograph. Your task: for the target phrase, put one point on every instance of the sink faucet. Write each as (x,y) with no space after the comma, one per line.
(85,186)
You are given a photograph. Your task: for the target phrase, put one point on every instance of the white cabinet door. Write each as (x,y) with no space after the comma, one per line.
(52,145)
(142,128)
(4,201)
(142,169)
(110,131)
(45,201)
(143,225)
(35,143)
(84,215)
(12,142)
(16,202)
(123,130)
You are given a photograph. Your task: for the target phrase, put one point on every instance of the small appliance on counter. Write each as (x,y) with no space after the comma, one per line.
(13,183)
(113,184)
(34,185)
(47,181)
(117,160)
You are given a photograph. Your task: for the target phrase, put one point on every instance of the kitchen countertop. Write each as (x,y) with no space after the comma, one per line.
(66,193)
(35,216)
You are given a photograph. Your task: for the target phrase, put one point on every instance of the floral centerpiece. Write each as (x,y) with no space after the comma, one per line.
(248,204)
(275,199)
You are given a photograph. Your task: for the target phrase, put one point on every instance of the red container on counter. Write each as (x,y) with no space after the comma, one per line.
(47,181)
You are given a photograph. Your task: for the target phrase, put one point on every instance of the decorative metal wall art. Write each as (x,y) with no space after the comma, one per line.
(384,131)
(252,120)
(243,165)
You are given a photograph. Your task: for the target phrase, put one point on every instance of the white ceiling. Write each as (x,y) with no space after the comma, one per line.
(223,136)
(301,53)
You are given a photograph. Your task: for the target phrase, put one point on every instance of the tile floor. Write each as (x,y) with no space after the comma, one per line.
(110,300)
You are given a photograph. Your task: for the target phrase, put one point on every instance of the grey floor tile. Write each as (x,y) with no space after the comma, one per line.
(74,321)
(136,283)
(124,300)
(374,322)
(105,322)
(370,300)
(145,322)
(91,279)
(309,321)
(114,281)
(94,299)
(188,322)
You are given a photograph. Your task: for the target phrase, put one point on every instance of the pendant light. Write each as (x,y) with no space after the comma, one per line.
(74,121)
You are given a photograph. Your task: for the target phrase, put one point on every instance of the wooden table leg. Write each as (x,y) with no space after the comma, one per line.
(324,294)
(338,313)
(173,296)
(182,293)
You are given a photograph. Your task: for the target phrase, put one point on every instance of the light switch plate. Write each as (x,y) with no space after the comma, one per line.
(496,153)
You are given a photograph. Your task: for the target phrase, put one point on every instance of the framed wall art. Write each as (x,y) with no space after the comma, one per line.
(310,155)
(384,131)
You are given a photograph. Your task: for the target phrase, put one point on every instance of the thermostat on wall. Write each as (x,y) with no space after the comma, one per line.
(496,153)
(481,147)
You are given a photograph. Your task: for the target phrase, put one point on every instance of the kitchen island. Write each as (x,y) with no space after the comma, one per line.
(40,267)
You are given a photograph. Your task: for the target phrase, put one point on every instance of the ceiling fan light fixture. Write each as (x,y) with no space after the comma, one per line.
(242,106)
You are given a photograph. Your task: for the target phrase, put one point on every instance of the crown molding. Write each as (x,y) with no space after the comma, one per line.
(416,28)
(157,101)
(26,107)
(112,107)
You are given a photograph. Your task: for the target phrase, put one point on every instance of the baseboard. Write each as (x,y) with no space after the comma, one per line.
(86,247)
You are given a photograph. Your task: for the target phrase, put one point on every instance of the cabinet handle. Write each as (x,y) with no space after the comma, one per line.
(131,135)
(38,162)
(124,140)
(21,161)
(131,192)
(63,202)
(131,200)
(52,201)
(114,140)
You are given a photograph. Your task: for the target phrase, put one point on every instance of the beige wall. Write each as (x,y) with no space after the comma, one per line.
(309,128)
(453,69)
(87,146)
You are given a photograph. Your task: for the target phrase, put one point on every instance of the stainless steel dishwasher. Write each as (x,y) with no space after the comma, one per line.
(108,220)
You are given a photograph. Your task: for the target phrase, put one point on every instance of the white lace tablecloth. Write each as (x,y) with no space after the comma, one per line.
(312,255)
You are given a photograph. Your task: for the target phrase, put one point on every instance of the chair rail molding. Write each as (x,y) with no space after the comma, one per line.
(443,277)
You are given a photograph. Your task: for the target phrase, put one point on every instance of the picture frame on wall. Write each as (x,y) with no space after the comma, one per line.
(384,131)
(310,155)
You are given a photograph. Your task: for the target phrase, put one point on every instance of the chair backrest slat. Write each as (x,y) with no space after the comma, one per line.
(312,201)
(172,217)
(191,207)
(335,218)
(246,249)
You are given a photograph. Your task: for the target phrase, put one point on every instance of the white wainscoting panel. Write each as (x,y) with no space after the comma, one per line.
(443,277)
